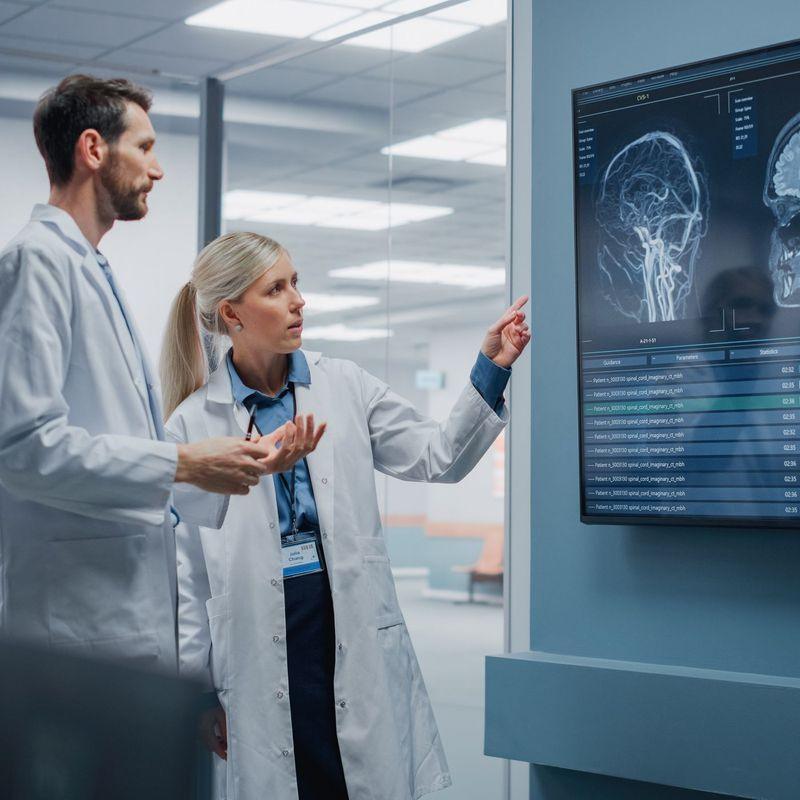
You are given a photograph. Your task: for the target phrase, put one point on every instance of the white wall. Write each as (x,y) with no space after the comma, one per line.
(151,258)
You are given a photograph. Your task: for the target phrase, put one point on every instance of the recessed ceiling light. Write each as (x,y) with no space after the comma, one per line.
(350,26)
(488,130)
(318,303)
(292,18)
(481,141)
(344,333)
(478,12)
(325,212)
(413,35)
(467,276)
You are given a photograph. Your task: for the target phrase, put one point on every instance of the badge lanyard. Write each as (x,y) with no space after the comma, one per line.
(301,551)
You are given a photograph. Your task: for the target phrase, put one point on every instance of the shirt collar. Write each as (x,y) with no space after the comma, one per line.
(298,373)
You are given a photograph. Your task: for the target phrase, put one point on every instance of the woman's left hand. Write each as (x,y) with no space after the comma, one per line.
(508,337)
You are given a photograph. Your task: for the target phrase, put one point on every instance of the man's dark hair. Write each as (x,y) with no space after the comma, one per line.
(77,103)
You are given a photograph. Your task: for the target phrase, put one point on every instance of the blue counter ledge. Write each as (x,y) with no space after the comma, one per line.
(709,730)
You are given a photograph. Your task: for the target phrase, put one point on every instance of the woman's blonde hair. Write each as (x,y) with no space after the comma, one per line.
(223,270)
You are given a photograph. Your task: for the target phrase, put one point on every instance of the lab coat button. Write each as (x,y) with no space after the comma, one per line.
(272,524)
(342,704)
(274,582)
(279,695)
(340,647)
(286,754)
(324,534)
(276,638)
(324,480)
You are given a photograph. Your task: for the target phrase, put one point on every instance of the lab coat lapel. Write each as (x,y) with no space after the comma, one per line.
(315,399)
(95,276)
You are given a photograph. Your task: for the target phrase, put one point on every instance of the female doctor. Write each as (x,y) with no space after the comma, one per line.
(287,604)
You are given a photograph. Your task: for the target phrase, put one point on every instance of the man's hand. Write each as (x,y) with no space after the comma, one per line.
(226,465)
(508,337)
(213,731)
(290,443)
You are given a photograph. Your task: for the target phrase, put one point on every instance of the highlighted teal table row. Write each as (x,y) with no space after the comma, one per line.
(696,493)
(696,404)
(693,449)
(737,433)
(693,390)
(787,480)
(690,509)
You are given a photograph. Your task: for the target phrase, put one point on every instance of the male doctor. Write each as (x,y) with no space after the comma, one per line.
(87,556)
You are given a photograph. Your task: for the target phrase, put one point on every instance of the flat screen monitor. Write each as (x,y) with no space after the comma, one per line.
(687,225)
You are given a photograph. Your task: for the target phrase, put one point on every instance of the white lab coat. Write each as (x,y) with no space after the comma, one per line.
(231,625)
(86,542)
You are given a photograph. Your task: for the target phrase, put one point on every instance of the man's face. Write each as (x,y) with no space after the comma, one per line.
(131,168)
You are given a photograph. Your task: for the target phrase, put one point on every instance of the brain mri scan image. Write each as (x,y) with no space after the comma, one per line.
(782,197)
(652,209)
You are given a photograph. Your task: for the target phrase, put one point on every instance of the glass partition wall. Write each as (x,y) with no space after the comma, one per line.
(379,162)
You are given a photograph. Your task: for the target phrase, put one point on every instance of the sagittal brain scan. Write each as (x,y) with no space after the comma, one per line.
(782,196)
(687,244)
(651,209)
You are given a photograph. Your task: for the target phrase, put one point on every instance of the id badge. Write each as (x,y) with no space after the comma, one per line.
(300,554)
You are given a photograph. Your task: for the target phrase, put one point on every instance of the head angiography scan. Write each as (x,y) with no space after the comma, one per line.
(652,210)
(782,196)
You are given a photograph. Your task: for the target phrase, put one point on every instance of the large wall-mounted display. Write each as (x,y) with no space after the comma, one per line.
(687,210)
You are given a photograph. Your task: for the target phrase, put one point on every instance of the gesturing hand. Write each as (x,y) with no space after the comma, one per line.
(213,731)
(290,443)
(508,337)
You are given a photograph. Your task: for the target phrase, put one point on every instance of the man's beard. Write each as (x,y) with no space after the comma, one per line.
(124,198)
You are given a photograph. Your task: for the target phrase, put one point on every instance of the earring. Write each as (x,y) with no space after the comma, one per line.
(239,328)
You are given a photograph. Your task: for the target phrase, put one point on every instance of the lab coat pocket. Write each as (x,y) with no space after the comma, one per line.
(99,598)
(379,572)
(219,627)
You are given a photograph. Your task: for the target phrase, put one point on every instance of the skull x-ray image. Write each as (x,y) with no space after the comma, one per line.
(782,196)
(652,211)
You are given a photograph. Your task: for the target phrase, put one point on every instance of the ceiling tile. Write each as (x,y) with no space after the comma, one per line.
(172,10)
(38,46)
(455,103)
(486,44)
(230,46)
(79,26)
(176,65)
(368,92)
(280,82)
(434,70)
(342,59)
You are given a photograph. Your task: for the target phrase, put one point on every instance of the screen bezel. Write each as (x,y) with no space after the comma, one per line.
(635,520)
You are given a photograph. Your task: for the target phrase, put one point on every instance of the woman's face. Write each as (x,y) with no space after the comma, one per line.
(270,311)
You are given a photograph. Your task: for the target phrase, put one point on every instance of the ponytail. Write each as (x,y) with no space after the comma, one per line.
(183,365)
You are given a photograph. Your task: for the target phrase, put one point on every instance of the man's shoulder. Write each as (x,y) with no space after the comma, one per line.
(37,242)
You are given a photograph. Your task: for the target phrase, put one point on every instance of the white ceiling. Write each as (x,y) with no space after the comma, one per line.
(387,97)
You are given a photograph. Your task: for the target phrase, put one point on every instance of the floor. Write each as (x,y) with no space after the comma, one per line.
(451,640)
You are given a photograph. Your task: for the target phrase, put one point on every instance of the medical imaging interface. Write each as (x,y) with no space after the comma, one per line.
(687,210)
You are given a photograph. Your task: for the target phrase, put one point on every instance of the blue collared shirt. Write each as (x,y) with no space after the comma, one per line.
(271,412)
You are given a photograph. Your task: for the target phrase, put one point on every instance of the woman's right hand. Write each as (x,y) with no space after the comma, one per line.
(290,443)
(214,731)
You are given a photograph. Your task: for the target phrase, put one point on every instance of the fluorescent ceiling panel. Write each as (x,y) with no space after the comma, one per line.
(317,303)
(476,12)
(487,131)
(344,333)
(414,35)
(293,18)
(325,212)
(466,276)
(350,26)
(481,141)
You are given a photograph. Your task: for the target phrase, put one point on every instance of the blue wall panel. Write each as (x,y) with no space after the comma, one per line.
(718,599)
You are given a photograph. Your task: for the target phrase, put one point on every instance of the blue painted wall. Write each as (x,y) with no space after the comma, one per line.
(721,599)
